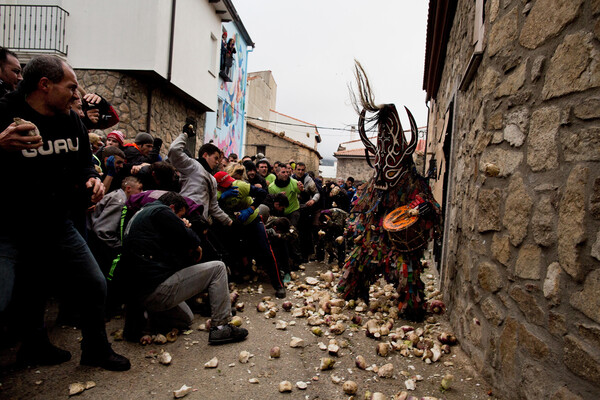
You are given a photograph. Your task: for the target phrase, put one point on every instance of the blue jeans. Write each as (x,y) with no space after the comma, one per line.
(57,258)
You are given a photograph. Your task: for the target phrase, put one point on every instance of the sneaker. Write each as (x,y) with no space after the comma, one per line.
(227,334)
(108,360)
(280,293)
(287,278)
(44,353)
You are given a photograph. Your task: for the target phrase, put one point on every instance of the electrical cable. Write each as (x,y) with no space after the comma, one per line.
(305,125)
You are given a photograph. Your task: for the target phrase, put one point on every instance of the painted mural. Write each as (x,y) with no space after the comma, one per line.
(232,101)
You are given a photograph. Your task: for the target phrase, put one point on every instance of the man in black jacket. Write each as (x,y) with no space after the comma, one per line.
(40,170)
(139,152)
(161,261)
(254,178)
(10,71)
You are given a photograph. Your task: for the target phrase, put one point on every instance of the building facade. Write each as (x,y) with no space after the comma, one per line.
(514,139)
(351,160)
(278,136)
(226,127)
(276,146)
(155,61)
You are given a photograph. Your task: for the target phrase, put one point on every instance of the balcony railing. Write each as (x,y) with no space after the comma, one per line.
(33,28)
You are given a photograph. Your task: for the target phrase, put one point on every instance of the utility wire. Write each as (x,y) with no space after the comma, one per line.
(305,125)
(292,124)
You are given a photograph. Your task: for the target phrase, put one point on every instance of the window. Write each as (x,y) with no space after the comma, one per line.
(479,25)
(228,51)
(261,149)
(213,55)
(477,42)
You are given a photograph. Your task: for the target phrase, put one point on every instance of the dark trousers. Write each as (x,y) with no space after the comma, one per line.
(282,255)
(305,232)
(294,244)
(258,243)
(247,242)
(56,261)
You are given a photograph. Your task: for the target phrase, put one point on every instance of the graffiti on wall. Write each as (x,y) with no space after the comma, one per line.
(226,127)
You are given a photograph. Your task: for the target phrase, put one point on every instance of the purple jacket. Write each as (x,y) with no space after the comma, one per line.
(137,201)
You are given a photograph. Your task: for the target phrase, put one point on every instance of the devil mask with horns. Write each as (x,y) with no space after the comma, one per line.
(393,153)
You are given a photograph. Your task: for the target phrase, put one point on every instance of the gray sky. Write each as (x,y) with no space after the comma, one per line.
(310,47)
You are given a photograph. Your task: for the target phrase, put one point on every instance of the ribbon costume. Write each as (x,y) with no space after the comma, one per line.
(394,254)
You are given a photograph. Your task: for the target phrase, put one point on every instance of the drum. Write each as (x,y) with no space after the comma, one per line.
(404,230)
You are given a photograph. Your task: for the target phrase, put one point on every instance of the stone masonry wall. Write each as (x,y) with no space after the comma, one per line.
(522,277)
(279,149)
(354,167)
(128,94)
(358,168)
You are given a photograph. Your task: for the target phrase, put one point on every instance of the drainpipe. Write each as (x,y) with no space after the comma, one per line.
(171,40)
(426,137)
(149,109)
(169,67)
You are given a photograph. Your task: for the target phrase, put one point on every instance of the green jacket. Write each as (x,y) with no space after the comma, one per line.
(270,178)
(291,191)
(242,201)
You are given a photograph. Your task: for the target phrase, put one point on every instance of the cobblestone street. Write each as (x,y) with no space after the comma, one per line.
(232,379)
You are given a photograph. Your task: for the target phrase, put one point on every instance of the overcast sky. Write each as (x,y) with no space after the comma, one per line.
(310,47)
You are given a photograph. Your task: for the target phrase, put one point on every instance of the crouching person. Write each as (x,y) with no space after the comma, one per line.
(161,262)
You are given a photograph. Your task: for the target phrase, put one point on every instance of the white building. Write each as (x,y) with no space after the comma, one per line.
(141,55)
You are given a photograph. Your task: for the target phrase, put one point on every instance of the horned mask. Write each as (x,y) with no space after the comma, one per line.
(393,152)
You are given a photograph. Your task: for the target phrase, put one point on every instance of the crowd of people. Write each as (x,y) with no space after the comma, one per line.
(109,224)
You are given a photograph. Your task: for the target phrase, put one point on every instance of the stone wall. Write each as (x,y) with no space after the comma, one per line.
(355,167)
(129,93)
(522,276)
(278,148)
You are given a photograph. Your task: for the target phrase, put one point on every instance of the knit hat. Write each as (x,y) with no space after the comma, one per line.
(264,160)
(118,136)
(223,179)
(144,138)
(249,165)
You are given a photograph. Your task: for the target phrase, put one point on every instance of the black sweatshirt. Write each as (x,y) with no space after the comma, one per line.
(39,185)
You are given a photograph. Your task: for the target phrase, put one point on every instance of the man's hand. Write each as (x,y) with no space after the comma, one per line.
(110,166)
(14,138)
(232,191)
(97,189)
(93,115)
(245,214)
(136,168)
(92,98)
(310,203)
(189,127)
(186,222)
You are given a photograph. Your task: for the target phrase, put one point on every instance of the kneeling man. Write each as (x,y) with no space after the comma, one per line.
(161,263)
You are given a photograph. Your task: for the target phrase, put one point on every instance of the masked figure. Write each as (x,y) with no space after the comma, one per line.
(388,240)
